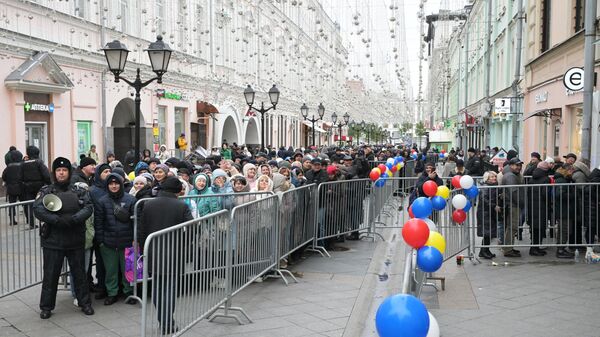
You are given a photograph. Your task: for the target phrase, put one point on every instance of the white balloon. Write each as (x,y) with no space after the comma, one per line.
(430,224)
(390,160)
(466,182)
(459,201)
(434,327)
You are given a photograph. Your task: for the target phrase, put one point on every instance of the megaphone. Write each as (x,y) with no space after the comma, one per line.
(52,203)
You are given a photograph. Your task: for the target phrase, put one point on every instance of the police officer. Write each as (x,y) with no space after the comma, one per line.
(63,235)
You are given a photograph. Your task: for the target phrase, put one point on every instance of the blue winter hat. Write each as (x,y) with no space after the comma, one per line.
(141,166)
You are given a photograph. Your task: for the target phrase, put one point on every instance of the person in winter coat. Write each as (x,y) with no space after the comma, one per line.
(159,213)
(114,233)
(564,199)
(539,206)
(35,175)
(427,175)
(202,204)
(459,170)
(250,174)
(474,165)
(7,157)
(240,185)
(581,175)
(221,185)
(592,195)
(316,175)
(85,172)
(63,236)
(163,154)
(131,158)
(514,200)
(536,158)
(226,151)
(97,191)
(263,184)
(265,170)
(297,177)
(12,177)
(488,213)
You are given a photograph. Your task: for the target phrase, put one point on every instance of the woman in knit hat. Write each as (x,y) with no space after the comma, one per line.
(250,174)
(202,203)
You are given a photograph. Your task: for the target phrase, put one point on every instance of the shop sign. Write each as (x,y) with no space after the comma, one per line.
(162,93)
(541,97)
(573,79)
(502,106)
(38,107)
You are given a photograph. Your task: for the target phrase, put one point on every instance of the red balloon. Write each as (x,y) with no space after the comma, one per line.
(430,188)
(374,175)
(456,181)
(394,168)
(459,216)
(382,168)
(415,233)
(410,213)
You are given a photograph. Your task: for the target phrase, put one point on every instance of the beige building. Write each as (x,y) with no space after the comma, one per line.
(553,114)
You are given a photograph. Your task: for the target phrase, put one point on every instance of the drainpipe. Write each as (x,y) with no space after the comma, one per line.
(211,16)
(464,140)
(103,81)
(488,80)
(588,79)
(515,85)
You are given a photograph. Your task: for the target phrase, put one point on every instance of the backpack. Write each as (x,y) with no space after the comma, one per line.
(177,143)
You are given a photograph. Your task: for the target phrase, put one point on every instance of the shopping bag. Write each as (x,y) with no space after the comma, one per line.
(131,264)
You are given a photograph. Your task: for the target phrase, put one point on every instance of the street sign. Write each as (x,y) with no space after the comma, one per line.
(502,106)
(573,79)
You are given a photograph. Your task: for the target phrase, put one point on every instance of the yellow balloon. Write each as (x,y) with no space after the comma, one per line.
(443,192)
(389,173)
(437,241)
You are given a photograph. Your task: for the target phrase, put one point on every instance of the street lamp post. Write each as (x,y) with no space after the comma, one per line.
(340,124)
(273,97)
(359,127)
(116,57)
(313,120)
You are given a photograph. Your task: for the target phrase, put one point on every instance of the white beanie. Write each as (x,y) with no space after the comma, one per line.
(549,160)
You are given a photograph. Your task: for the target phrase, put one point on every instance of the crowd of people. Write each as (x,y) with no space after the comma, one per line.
(99,196)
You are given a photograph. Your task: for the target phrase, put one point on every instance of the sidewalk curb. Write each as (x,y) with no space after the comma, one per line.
(373,290)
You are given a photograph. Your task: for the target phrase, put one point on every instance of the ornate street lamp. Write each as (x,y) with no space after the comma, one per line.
(116,57)
(273,97)
(313,120)
(340,124)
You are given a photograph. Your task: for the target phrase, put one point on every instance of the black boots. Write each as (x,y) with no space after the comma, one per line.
(486,253)
(535,251)
(563,253)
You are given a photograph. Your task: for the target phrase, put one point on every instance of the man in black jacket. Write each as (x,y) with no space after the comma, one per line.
(474,166)
(35,175)
(162,212)
(12,177)
(85,172)
(63,235)
(316,175)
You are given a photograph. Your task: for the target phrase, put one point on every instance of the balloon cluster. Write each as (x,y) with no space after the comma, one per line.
(382,172)
(460,202)
(443,154)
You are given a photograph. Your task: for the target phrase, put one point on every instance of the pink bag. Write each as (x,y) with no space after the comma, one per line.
(130,265)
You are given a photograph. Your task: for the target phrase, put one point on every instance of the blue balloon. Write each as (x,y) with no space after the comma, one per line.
(438,203)
(414,156)
(396,161)
(422,207)
(380,182)
(467,206)
(441,155)
(429,259)
(472,192)
(400,159)
(402,315)
(389,165)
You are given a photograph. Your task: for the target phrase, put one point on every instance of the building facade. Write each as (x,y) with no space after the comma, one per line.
(59,96)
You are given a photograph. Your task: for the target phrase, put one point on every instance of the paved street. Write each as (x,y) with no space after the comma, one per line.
(339,297)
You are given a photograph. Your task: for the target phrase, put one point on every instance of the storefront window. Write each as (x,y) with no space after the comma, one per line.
(162,126)
(179,122)
(84,137)
(576,124)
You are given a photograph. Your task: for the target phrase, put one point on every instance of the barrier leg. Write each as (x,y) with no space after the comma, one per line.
(471,251)
(226,314)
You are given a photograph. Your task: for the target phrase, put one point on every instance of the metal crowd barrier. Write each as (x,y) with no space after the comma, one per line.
(536,215)
(186,268)
(251,250)
(340,209)
(214,202)
(20,250)
(296,222)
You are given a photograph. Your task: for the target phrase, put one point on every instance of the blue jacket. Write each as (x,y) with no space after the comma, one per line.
(110,231)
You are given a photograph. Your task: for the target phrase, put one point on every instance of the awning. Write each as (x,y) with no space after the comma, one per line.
(546,113)
(317,128)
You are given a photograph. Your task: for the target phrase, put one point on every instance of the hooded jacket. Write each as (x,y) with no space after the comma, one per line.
(251,181)
(35,172)
(110,231)
(582,172)
(280,183)
(12,175)
(201,204)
